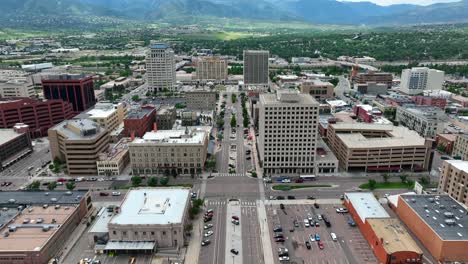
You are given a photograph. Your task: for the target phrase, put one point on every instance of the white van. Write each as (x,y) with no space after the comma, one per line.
(306,223)
(333,236)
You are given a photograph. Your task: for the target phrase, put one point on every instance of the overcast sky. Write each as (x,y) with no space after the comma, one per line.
(415,2)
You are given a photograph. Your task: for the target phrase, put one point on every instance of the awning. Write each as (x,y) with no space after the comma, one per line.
(129,245)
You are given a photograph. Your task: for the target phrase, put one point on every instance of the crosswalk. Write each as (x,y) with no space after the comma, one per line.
(223,202)
(230,175)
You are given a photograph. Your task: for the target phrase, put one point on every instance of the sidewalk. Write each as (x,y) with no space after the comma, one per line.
(193,249)
(304,201)
(70,243)
(264,233)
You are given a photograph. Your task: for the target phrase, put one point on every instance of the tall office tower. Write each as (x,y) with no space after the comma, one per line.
(77,89)
(288,133)
(212,68)
(160,68)
(419,79)
(256,66)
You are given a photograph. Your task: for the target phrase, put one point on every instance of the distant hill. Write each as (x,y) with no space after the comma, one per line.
(94,13)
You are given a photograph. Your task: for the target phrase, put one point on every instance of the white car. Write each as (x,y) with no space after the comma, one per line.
(208,226)
(115,193)
(286,181)
(284,258)
(312,238)
(209,233)
(306,223)
(341,210)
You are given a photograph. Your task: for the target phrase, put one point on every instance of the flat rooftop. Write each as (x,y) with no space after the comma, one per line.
(102,219)
(76,129)
(139,113)
(287,98)
(425,111)
(172,137)
(396,136)
(366,205)
(152,206)
(115,151)
(317,82)
(34,227)
(395,236)
(102,110)
(17,198)
(445,216)
(8,134)
(459,164)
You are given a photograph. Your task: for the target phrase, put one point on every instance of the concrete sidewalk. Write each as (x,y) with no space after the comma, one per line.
(193,249)
(233,234)
(304,201)
(264,233)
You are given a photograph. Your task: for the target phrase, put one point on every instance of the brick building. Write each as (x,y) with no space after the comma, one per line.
(447,141)
(139,121)
(431,101)
(77,89)
(38,115)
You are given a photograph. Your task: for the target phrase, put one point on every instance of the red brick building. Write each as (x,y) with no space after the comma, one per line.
(38,115)
(139,121)
(387,237)
(446,140)
(427,100)
(366,113)
(76,89)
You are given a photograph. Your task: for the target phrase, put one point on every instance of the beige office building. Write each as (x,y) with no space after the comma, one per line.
(460,148)
(374,147)
(17,87)
(169,152)
(454,180)
(107,115)
(160,68)
(288,128)
(212,68)
(201,99)
(428,121)
(318,89)
(78,142)
(113,161)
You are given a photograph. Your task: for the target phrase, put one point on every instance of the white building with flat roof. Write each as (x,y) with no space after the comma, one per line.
(419,79)
(160,68)
(365,205)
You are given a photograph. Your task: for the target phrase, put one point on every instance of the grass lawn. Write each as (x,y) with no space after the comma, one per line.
(387,185)
(292,187)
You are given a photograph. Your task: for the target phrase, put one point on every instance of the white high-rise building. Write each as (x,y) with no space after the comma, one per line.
(160,68)
(419,79)
(256,67)
(288,133)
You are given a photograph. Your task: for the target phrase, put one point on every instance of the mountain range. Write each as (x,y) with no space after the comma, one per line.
(315,11)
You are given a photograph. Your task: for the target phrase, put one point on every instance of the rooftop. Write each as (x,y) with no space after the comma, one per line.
(316,82)
(139,113)
(445,216)
(425,111)
(7,134)
(77,129)
(172,137)
(102,110)
(152,206)
(17,198)
(287,97)
(159,46)
(30,230)
(395,236)
(64,77)
(102,219)
(366,205)
(459,164)
(115,151)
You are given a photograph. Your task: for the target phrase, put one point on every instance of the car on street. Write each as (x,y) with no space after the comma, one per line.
(291,197)
(277,229)
(210,211)
(205,242)
(351,222)
(310,197)
(278,235)
(207,219)
(299,180)
(211,214)
(312,238)
(341,210)
(234,251)
(208,233)
(280,239)
(115,193)
(208,226)
(235,217)
(342,197)
(103,194)
(307,243)
(234,221)
(279,197)
(286,180)
(284,258)
(320,244)
(282,249)
(267,180)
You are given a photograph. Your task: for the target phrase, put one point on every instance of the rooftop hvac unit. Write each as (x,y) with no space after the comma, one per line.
(45,206)
(449,222)
(413,200)
(431,200)
(45,228)
(12,228)
(12,201)
(26,220)
(39,220)
(57,206)
(448,214)
(53,200)
(68,193)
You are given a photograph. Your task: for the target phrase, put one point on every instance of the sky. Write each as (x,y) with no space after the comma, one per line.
(415,2)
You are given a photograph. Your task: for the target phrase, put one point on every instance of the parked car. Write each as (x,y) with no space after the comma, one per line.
(235,217)
(341,210)
(316,205)
(103,194)
(333,236)
(208,233)
(306,223)
(277,229)
(234,251)
(205,242)
(115,193)
(208,226)
(310,197)
(312,238)
(234,221)
(286,180)
(307,243)
(291,197)
(296,223)
(317,237)
(279,197)
(284,258)
(207,219)
(299,180)
(278,235)
(280,239)
(282,206)
(320,244)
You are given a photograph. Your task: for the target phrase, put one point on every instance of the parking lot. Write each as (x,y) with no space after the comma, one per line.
(349,247)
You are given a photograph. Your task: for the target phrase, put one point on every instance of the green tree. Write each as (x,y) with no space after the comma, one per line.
(52,185)
(136,98)
(234,98)
(372,184)
(211,163)
(334,81)
(441,148)
(425,180)
(164,181)
(153,181)
(70,186)
(34,186)
(136,180)
(403,178)
(385,177)
(233,121)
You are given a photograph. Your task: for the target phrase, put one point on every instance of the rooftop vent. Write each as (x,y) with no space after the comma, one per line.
(46,194)
(450,222)
(53,200)
(39,220)
(45,206)
(431,200)
(12,228)
(12,201)
(425,206)
(442,206)
(26,220)
(448,214)
(68,193)
(45,228)
(413,200)
(57,206)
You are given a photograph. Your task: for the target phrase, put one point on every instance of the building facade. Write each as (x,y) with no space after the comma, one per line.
(212,68)
(460,148)
(428,121)
(454,180)
(256,67)
(78,142)
(18,87)
(166,117)
(14,144)
(431,101)
(169,152)
(107,115)
(288,128)
(139,121)
(38,115)
(416,80)
(372,147)
(371,88)
(115,159)
(318,89)
(77,89)
(377,77)
(201,99)
(160,68)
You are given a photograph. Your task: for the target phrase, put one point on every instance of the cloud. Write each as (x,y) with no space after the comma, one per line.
(415,2)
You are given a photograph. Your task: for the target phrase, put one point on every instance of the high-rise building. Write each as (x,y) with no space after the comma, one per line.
(256,66)
(78,142)
(288,132)
(460,148)
(454,180)
(108,115)
(212,68)
(419,79)
(17,87)
(77,89)
(139,121)
(160,68)
(38,115)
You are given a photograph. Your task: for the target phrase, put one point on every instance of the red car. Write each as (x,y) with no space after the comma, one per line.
(299,180)
(61,180)
(235,217)
(103,194)
(279,239)
(320,244)
(210,214)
